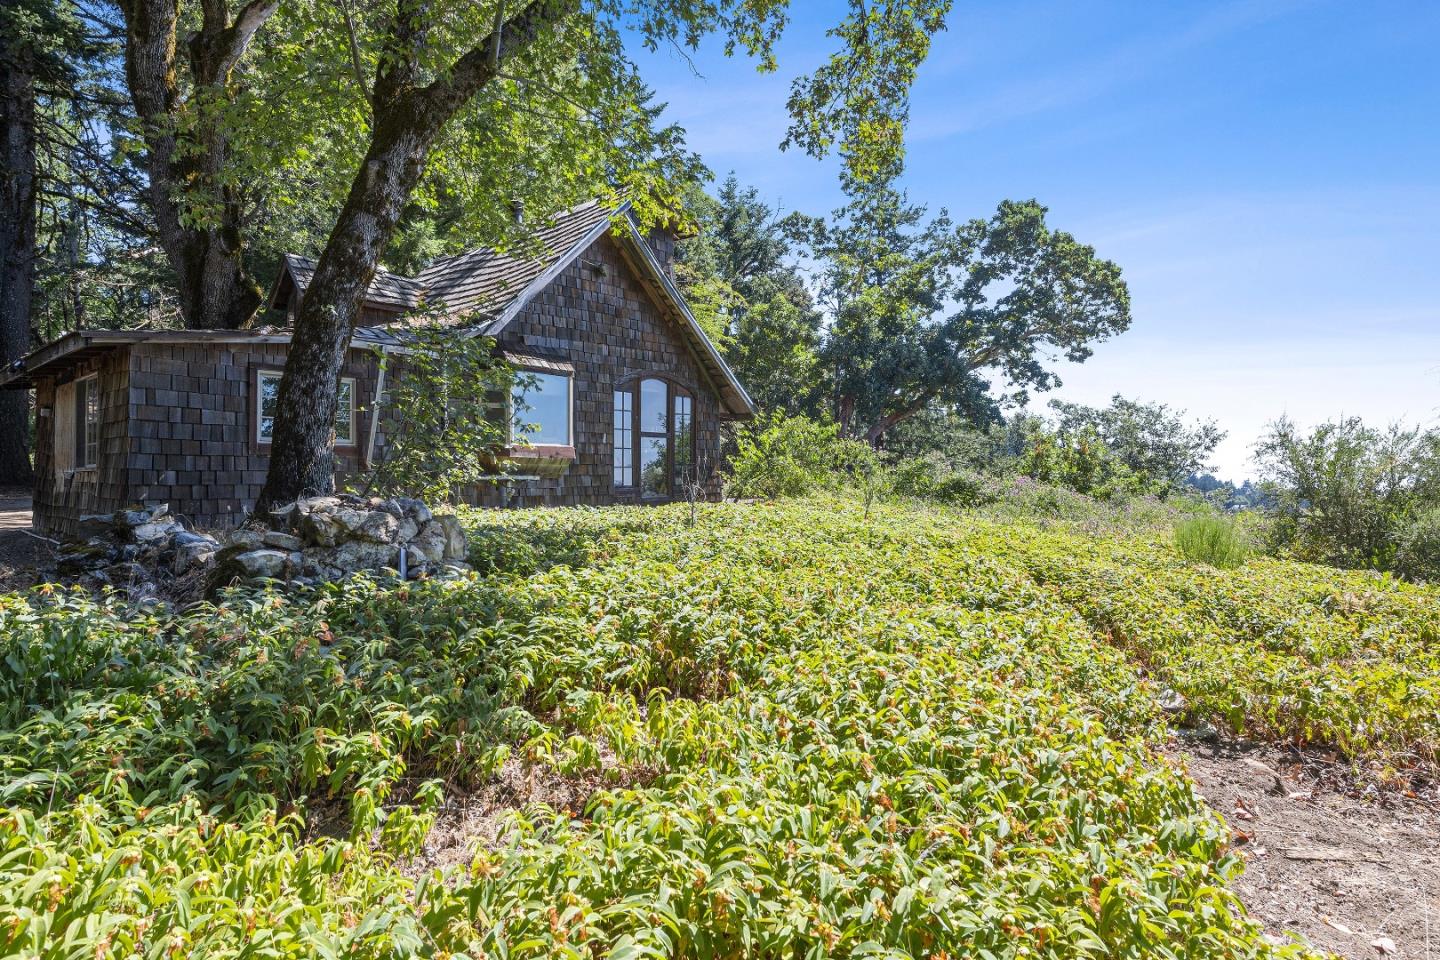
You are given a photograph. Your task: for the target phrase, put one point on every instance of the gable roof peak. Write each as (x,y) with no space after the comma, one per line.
(485,288)
(484,280)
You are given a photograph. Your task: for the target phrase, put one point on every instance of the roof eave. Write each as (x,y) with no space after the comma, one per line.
(88,342)
(19,376)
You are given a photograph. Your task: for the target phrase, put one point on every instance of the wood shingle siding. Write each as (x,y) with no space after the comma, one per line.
(193,426)
(605,322)
(178,411)
(64,492)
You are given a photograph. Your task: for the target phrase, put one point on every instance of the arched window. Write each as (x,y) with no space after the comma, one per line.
(654,439)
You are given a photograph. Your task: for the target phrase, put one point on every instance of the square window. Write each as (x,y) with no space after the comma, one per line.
(267,395)
(542,409)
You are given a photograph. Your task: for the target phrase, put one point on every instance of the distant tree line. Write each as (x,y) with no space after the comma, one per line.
(891,328)
(877,326)
(896,314)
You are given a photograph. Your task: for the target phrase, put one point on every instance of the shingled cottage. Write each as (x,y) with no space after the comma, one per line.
(628,393)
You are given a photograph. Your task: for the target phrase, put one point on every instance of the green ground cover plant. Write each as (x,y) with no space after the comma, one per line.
(1274,650)
(913,733)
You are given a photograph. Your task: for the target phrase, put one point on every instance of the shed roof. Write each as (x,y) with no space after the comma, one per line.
(61,354)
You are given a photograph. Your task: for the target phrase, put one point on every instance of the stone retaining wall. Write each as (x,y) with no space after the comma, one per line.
(328,538)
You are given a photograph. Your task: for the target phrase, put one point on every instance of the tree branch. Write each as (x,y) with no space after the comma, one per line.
(879,427)
(355,54)
(230,44)
(477,67)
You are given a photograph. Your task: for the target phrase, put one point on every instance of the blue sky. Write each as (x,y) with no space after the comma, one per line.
(1266,174)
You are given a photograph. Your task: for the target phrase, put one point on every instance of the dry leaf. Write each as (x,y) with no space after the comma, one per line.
(1335,925)
(1384,944)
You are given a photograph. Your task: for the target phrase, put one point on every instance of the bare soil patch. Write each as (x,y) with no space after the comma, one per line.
(477,819)
(1356,875)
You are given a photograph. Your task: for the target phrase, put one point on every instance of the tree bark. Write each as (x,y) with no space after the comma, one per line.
(877,430)
(18,192)
(407,122)
(845,414)
(216,291)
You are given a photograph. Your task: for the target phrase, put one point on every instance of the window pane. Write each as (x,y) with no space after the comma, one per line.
(79,422)
(654,398)
(684,442)
(87,422)
(624,444)
(652,465)
(269,391)
(345,412)
(92,423)
(542,409)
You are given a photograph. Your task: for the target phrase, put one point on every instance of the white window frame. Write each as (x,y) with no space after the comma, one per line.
(622,474)
(83,440)
(263,375)
(513,413)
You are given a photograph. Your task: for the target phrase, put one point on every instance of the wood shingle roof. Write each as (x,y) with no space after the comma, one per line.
(485,289)
(483,280)
(489,280)
(387,289)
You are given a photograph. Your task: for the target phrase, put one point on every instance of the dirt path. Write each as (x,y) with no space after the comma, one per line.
(20,553)
(1353,876)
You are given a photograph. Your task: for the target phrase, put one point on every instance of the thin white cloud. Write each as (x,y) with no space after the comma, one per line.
(1127,62)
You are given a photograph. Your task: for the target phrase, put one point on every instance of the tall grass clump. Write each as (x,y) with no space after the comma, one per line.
(1211,540)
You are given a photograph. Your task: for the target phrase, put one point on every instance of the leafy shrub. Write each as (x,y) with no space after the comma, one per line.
(931,478)
(1342,493)
(449,436)
(781,456)
(1151,442)
(1082,463)
(1417,553)
(1212,540)
(950,437)
(918,477)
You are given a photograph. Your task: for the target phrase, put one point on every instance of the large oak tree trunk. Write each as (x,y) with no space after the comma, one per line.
(407,122)
(301,461)
(215,290)
(17,246)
